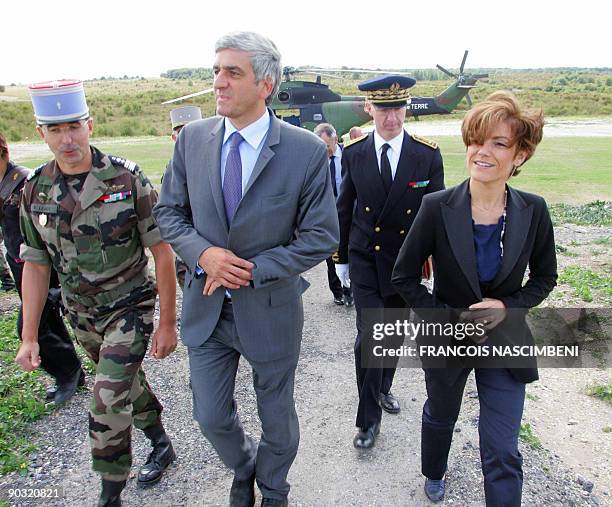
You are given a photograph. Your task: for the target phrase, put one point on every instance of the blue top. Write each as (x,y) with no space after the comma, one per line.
(488,249)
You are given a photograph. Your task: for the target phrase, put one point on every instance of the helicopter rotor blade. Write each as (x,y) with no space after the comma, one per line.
(463,62)
(364,71)
(479,76)
(317,74)
(184,97)
(447,72)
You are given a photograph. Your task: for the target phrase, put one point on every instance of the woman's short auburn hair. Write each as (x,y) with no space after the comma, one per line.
(502,106)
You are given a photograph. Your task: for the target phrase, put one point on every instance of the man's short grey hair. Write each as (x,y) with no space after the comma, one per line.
(265,57)
(325,128)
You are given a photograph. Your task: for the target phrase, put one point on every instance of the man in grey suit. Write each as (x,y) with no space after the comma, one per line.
(247,203)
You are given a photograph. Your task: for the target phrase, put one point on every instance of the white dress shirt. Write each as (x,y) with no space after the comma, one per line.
(253,135)
(393,153)
(338,165)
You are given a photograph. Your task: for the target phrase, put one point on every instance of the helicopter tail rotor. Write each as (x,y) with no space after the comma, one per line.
(447,72)
(464,80)
(463,62)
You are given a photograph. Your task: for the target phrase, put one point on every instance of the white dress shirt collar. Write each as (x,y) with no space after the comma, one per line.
(253,133)
(338,152)
(395,143)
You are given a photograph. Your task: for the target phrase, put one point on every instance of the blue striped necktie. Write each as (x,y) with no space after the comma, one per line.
(232,181)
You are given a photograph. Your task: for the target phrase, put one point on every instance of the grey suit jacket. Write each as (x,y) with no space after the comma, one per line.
(286,223)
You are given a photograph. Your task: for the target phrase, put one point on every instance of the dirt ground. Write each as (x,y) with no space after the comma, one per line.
(573,466)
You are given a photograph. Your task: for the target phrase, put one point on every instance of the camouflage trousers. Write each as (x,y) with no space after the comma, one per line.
(5,275)
(117,343)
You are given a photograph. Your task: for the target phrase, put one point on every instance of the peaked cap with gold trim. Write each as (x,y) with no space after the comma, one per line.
(387,91)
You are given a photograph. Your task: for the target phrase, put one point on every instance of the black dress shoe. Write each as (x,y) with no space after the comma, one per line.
(66,390)
(434,489)
(389,403)
(274,502)
(51,390)
(347,295)
(242,493)
(160,458)
(339,300)
(366,438)
(111,493)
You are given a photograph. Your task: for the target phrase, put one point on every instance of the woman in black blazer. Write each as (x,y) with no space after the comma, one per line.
(482,236)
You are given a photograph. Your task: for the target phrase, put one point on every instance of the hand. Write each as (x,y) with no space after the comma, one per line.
(342,272)
(164,341)
(489,312)
(211,286)
(225,268)
(28,356)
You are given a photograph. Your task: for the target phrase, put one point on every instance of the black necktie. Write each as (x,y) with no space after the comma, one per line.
(385,168)
(332,170)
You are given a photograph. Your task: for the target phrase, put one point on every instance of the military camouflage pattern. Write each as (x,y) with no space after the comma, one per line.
(5,275)
(95,243)
(93,229)
(117,343)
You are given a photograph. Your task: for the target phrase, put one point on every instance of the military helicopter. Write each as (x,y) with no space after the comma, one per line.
(308,103)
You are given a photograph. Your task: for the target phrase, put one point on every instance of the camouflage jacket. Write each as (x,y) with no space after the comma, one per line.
(95,243)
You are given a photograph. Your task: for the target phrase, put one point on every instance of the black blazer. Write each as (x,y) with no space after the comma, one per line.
(443,229)
(373,225)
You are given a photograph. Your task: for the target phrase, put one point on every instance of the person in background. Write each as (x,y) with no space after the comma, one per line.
(58,355)
(179,117)
(483,236)
(6,281)
(342,295)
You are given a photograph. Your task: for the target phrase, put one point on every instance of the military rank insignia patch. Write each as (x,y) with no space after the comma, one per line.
(117,196)
(36,171)
(128,164)
(424,141)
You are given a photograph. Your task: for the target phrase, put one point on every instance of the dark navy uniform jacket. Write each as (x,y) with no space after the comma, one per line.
(373,226)
(9,215)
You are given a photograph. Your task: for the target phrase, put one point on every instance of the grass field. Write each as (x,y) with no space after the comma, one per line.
(133,106)
(570,170)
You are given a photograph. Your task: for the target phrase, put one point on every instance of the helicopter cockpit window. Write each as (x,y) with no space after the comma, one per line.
(283,96)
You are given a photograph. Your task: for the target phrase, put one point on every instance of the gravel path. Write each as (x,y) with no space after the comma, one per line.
(328,471)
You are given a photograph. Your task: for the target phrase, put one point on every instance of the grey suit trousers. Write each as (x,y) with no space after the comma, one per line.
(213,367)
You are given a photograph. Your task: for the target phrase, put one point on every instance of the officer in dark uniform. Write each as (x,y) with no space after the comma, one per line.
(386,174)
(57,353)
(179,117)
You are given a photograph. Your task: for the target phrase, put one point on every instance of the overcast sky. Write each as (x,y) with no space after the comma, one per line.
(44,40)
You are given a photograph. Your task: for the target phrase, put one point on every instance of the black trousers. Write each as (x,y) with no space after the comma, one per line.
(57,353)
(501,399)
(370,381)
(332,279)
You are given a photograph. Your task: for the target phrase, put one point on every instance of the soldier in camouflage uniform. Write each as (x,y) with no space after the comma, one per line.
(90,216)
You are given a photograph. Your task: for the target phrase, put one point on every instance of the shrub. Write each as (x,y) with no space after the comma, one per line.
(14,136)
